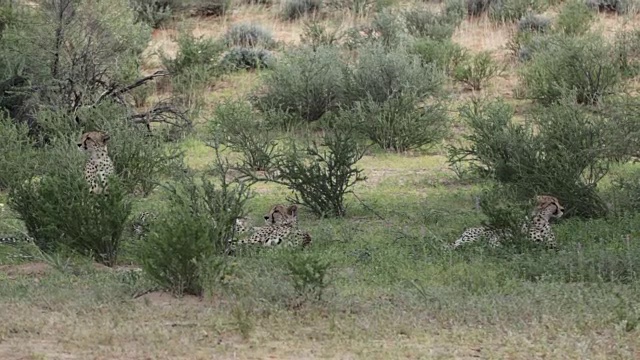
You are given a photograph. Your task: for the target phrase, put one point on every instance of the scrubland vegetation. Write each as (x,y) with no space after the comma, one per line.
(394,125)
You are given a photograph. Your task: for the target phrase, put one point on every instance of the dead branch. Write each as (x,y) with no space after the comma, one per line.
(113,91)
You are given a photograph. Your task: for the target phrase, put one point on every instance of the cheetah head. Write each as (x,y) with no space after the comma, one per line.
(93,140)
(549,206)
(280,215)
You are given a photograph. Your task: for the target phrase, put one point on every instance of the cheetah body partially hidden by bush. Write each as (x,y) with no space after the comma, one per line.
(538,229)
(99,165)
(281,228)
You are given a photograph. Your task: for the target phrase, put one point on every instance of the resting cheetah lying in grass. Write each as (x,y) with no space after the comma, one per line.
(281,228)
(538,229)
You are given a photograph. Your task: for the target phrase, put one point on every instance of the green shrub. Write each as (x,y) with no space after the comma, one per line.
(100,38)
(627,51)
(239,58)
(399,124)
(19,159)
(320,179)
(626,193)
(188,241)
(315,35)
(308,274)
(304,82)
(534,23)
(192,69)
(195,53)
(59,211)
(153,12)
(446,55)
(477,71)
(564,155)
(455,9)
(506,209)
(295,9)
(141,159)
(513,10)
(379,75)
(585,65)
(389,28)
(208,7)
(422,22)
(616,6)
(244,133)
(358,7)
(574,18)
(622,115)
(248,35)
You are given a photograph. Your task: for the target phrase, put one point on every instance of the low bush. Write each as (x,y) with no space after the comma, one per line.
(564,155)
(399,124)
(513,10)
(295,9)
(308,275)
(187,243)
(616,6)
(626,193)
(477,71)
(153,12)
(194,52)
(534,23)
(455,9)
(20,160)
(315,35)
(585,65)
(192,69)
(388,28)
(304,82)
(422,22)
(208,7)
(243,58)
(380,75)
(243,132)
(248,35)
(627,50)
(320,175)
(59,211)
(141,159)
(446,55)
(358,7)
(574,18)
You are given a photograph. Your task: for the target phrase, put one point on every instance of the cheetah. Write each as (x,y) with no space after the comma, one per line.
(537,230)
(281,227)
(99,165)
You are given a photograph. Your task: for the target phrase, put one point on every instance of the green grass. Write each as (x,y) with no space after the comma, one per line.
(393,291)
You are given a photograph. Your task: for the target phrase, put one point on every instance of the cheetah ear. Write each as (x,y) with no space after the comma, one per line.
(105,137)
(293,210)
